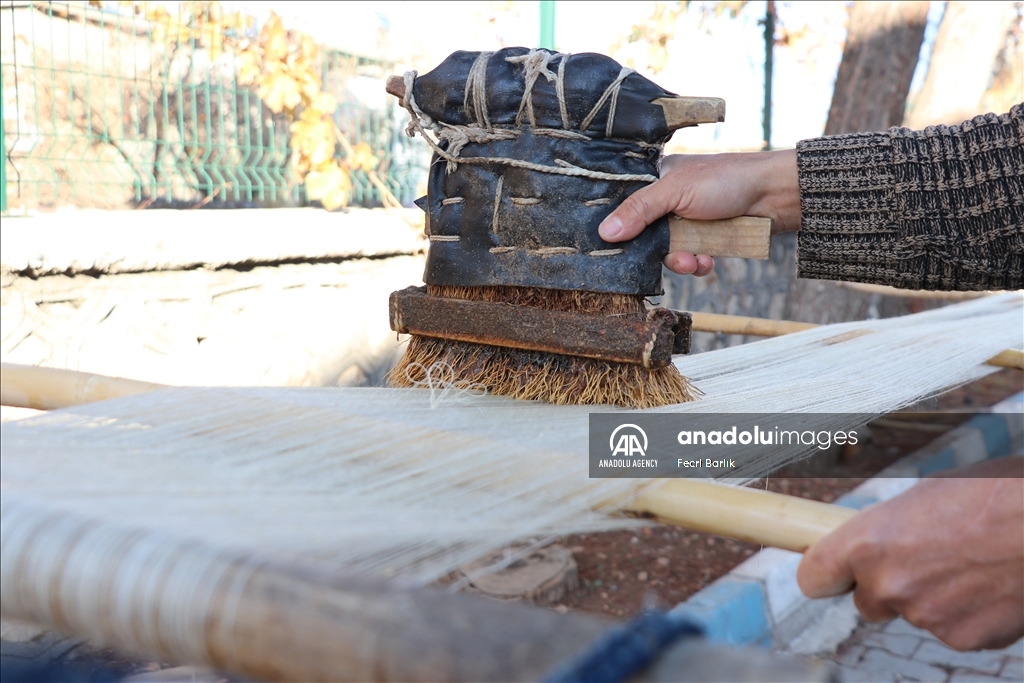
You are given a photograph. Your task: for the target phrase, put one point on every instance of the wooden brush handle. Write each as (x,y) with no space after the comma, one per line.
(743,237)
(771,519)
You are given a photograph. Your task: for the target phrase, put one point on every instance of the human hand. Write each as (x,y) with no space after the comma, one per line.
(947,555)
(708,187)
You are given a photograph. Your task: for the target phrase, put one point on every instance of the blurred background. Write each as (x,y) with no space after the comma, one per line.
(221,192)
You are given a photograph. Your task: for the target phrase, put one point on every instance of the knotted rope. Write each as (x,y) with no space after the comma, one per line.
(535,65)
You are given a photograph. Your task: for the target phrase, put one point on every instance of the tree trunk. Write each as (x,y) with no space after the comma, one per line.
(872,85)
(882,46)
(969,40)
(871,90)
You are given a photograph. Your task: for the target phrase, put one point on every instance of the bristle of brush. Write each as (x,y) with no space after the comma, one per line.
(534,375)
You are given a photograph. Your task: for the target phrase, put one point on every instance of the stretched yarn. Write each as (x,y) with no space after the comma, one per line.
(133,520)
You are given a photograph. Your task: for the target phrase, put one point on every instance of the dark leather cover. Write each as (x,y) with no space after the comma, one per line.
(489,226)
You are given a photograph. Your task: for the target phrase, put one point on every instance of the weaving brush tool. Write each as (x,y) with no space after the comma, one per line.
(532,150)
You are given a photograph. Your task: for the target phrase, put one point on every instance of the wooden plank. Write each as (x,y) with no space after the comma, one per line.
(649,342)
(742,237)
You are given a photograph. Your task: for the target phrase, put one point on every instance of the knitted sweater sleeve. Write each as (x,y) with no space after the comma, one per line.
(941,208)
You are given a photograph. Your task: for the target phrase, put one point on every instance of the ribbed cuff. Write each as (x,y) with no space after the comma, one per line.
(846,203)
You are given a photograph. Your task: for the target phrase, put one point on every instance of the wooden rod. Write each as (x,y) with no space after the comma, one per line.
(28,386)
(1010,358)
(739,324)
(761,327)
(746,514)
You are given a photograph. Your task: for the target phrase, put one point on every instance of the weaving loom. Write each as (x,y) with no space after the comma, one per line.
(145,522)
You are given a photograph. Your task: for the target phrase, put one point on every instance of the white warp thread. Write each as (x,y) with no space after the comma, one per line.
(387,482)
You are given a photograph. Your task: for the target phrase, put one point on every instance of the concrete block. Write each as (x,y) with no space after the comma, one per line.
(935,652)
(291,325)
(856,502)
(731,610)
(826,634)
(851,675)
(109,242)
(961,676)
(902,626)
(1013,668)
(776,569)
(896,643)
(849,655)
(1013,650)
(971,447)
(885,662)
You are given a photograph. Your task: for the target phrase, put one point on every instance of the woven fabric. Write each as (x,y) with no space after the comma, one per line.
(941,208)
(494,223)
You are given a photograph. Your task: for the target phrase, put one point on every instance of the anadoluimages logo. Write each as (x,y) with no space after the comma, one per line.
(628,443)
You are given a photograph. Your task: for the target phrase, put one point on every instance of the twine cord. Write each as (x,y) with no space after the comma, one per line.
(535,65)
(611,91)
(476,91)
(560,91)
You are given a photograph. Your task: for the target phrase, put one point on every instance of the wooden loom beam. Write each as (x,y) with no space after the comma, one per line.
(195,603)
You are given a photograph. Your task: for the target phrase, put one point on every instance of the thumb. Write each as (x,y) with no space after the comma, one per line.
(639,210)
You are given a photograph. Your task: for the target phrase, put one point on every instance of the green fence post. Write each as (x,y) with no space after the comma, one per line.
(769,51)
(547,24)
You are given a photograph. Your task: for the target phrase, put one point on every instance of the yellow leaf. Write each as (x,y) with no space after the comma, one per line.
(362,158)
(248,67)
(280,92)
(324,103)
(335,200)
(308,49)
(313,138)
(330,184)
(309,85)
(274,39)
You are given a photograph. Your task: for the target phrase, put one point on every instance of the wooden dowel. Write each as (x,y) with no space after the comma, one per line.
(739,324)
(746,514)
(762,327)
(28,386)
(1010,358)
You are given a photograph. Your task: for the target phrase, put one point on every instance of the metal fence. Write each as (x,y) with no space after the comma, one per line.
(102,110)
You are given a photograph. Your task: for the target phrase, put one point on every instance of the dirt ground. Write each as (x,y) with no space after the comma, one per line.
(620,571)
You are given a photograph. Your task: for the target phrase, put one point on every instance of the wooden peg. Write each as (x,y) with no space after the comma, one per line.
(396,86)
(743,237)
(681,112)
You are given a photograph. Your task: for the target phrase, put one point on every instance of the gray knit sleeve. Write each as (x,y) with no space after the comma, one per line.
(941,208)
